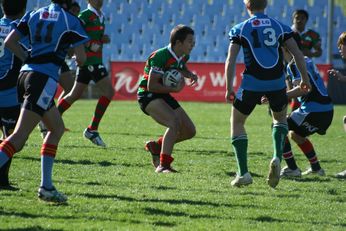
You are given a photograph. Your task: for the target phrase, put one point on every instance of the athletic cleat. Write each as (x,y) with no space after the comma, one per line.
(8,187)
(165,169)
(274,172)
(43,129)
(51,195)
(94,137)
(238,181)
(309,171)
(287,172)
(341,175)
(154,148)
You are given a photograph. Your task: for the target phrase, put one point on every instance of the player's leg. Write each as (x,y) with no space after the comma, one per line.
(66,81)
(163,114)
(278,104)
(15,142)
(187,128)
(75,94)
(55,125)
(104,84)
(8,123)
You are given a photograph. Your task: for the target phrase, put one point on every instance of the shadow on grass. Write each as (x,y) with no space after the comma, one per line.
(314,179)
(233,174)
(161,212)
(270,219)
(169,201)
(34,228)
(83,162)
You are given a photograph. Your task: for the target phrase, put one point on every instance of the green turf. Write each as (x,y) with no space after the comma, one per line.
(117,189)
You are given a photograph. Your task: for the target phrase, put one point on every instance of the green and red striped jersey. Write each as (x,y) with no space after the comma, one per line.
(94,26)
(160,61)
(309,39)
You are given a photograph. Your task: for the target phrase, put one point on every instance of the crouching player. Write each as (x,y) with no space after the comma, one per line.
(314,115)
(155,100)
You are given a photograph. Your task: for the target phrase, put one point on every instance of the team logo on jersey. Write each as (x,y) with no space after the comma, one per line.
(5,30)
(49,15)
(258,22)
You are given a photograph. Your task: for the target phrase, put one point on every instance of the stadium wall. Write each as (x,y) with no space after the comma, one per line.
(210,87)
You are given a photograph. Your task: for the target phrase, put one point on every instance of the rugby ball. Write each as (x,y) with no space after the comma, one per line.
(171,78)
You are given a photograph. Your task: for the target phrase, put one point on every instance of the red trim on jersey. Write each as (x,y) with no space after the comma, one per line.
(94,28)
(94,54)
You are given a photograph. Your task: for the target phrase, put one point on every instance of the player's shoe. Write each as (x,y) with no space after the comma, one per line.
(274,172)
(165,169)
(94,137)
(287,172)
(43,129)
(154,148)
(341,175)
(8,187)
(51,195)
(238,181)
(309,171)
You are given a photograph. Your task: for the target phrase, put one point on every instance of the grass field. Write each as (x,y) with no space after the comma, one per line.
(117,189)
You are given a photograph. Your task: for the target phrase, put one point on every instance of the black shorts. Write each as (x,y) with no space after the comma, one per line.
(305,124)
(64,68)
(91,72)
(245,101)
(36,91)
(9,117)
(147,97)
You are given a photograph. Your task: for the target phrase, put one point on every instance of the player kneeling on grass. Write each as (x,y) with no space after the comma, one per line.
(314,115)
(155,100)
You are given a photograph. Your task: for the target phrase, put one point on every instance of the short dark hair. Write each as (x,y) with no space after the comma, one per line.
(75,4)
(64,3)
(301,11)
(13,7)
(179,33)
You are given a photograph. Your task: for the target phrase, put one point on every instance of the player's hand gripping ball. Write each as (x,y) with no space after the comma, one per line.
(171,78)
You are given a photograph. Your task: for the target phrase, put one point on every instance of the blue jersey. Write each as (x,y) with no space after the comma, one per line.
(261,38)
(317,100)
(9,68)
(51,31)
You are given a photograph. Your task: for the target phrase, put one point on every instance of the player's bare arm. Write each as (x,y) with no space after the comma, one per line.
(299,60)
(12,43)
(230,65)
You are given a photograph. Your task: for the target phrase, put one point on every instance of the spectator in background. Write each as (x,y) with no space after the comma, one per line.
(261,38)
(336,74)
(93,21)
(9,71)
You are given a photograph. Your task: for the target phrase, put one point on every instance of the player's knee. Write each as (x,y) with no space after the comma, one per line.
(191,132)
(174,124)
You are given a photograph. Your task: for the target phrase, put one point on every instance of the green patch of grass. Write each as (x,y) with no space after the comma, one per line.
(117,188)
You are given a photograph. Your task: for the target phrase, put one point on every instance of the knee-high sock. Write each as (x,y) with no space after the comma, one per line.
(6,152)
(48,152)
(288,155)
(279,133)
(239,144)
(100,109)
(309,152)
